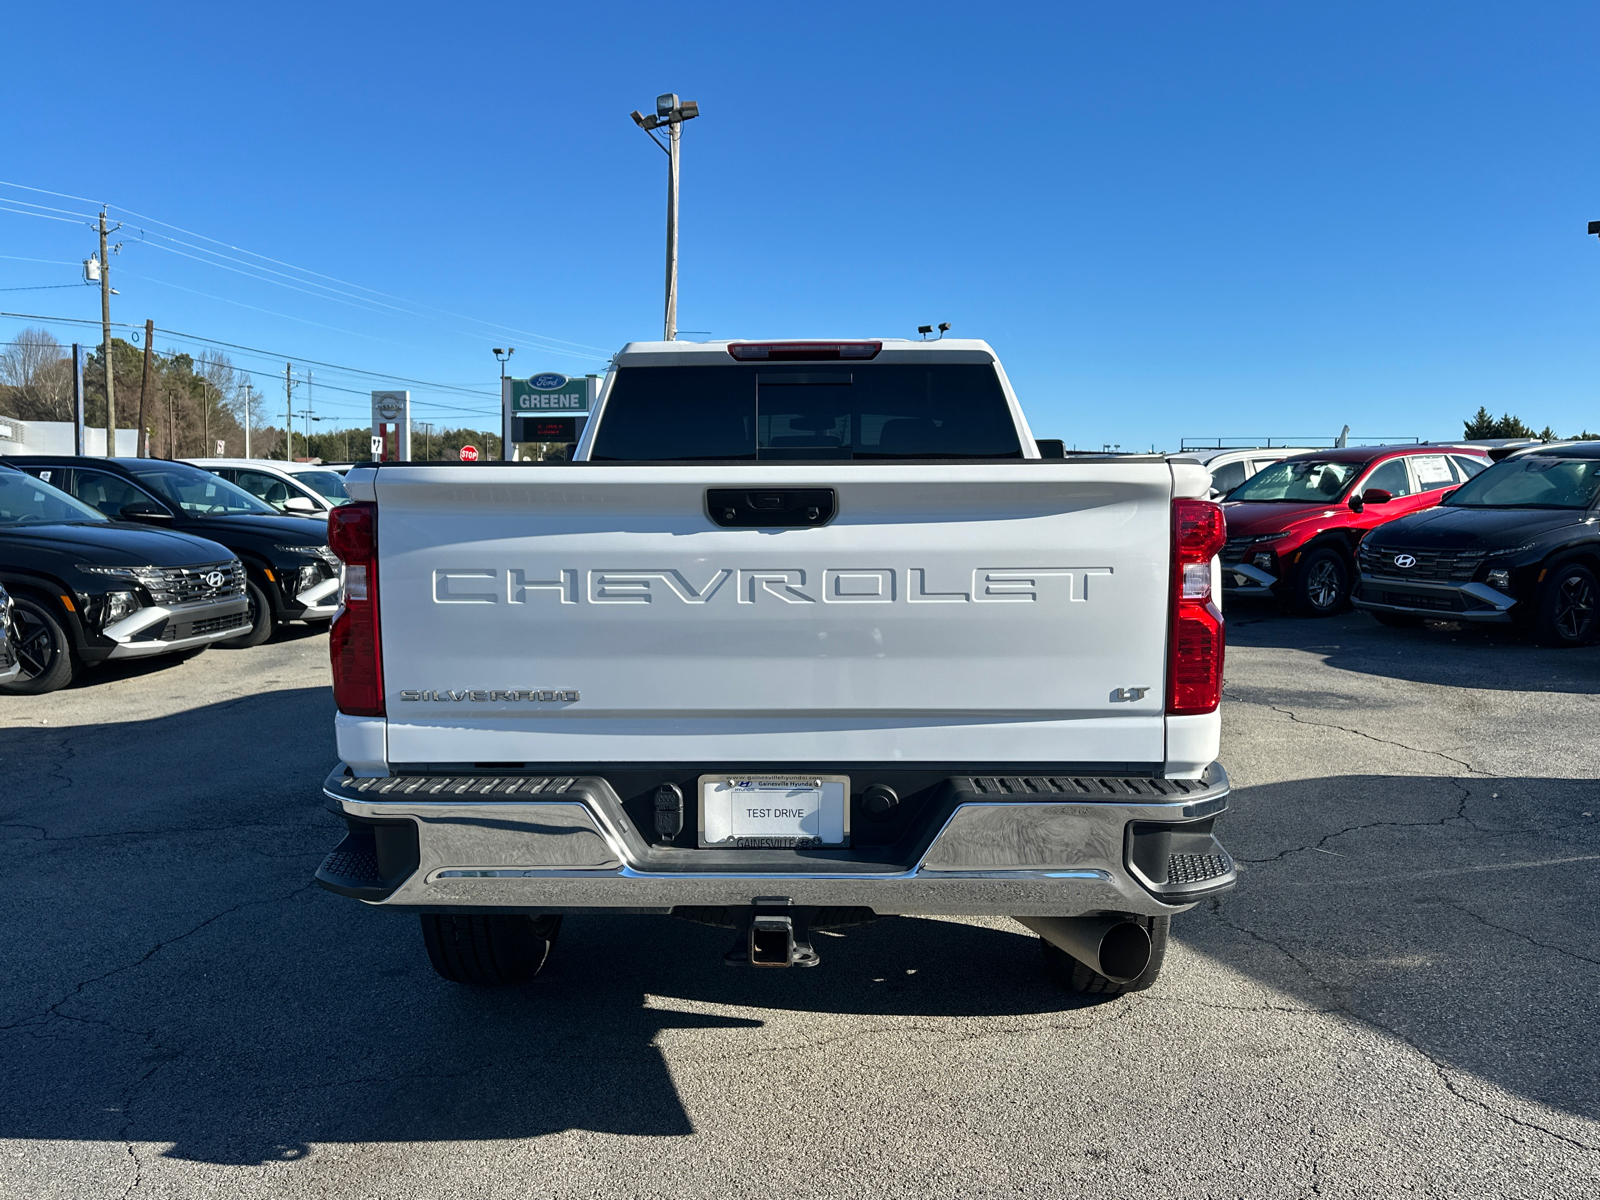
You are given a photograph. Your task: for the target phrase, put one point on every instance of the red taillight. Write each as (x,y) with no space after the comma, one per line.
(803,351)
(353,641)
(1194,658)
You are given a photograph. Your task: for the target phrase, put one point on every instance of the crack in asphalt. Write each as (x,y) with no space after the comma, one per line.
(1440,1069)
(52,1010)
(1460,762)
(1532,941)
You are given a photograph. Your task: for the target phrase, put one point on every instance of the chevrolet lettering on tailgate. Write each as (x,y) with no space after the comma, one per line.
(793,585)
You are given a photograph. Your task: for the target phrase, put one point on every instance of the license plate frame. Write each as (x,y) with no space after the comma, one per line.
(825,827)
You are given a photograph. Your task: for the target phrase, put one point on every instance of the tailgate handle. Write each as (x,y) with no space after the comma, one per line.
(771,508)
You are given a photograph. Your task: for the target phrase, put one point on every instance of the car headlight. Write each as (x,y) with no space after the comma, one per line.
(1499,578)
(1263,561)
(1269,537)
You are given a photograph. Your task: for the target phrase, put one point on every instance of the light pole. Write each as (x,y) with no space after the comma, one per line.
(502,357)
(672,113)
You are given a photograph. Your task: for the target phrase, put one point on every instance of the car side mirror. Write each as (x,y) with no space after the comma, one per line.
(144,510)
(1376,496)
(299,504)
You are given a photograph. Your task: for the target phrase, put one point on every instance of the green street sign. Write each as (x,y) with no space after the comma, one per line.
(550,392)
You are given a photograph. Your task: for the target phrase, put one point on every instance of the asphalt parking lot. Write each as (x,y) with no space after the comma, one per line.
(1399,998)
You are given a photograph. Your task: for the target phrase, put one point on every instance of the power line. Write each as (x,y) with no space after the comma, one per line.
(600,352)
(276,355)
(44,216)
(50,208)
(356,303)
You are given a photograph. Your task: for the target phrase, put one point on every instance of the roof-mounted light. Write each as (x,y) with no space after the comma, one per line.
(803,351)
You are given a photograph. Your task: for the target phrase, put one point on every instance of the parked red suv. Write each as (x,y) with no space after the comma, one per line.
(1293,527)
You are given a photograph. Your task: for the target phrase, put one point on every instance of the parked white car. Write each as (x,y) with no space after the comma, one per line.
(1230,468)
(308,489)
(807,633)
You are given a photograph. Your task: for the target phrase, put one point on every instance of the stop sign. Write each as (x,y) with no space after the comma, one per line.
(469,454)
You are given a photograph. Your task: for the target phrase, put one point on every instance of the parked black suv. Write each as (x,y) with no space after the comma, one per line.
(292,575)
(1518,543)
(84,589)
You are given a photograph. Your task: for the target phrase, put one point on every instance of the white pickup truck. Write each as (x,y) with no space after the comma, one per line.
(804,634)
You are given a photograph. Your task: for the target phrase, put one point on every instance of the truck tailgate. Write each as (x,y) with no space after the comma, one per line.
(948,613)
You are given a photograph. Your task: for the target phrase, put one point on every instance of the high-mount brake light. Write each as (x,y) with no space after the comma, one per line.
(1195,652)
(353,643)
(803,351)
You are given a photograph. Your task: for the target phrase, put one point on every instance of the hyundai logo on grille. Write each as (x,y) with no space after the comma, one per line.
(1405,560)
(214,579)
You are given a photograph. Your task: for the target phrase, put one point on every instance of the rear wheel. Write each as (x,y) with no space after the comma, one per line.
(43,647)
(259,619)
(1074,976)
(1321,584)
(1569,607)
(488,950)
(1397,620)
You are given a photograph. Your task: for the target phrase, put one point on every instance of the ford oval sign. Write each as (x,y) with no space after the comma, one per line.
(549,381)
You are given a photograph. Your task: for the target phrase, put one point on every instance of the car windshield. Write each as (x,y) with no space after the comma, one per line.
(327,484)
(1298,481)
(199,493)
(24,500)
(1535,481)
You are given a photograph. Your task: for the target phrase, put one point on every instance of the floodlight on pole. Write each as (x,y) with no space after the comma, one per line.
(671,112)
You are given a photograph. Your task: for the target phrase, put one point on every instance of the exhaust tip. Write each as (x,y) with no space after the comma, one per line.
(1124,952)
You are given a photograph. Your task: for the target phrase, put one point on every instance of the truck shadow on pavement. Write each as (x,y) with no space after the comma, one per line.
(1493,657)
(175,978)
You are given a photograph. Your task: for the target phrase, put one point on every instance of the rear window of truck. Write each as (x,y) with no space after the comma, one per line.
(804,412)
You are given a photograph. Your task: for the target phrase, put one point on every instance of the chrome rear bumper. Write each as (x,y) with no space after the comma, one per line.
(1006,847)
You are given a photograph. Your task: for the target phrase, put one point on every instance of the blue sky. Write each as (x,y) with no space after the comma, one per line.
(1170,220)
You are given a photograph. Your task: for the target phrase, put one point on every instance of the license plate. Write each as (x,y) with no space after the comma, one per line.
(774,811)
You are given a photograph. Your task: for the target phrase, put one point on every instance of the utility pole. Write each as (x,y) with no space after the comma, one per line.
(172,427)
(288,425)
(142,448)
(672,113)
(77,399)
(105,335)
(247,420)
(205,420)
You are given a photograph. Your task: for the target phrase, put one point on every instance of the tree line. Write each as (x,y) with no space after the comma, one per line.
(1483,425)
(193,407)
(190,405)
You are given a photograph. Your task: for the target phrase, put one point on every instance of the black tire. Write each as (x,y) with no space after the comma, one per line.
(1321,584)
(1075,977)
(1398,620)
(45,648)
(1568,607)
(263,621)
(489,951)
